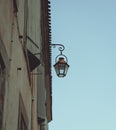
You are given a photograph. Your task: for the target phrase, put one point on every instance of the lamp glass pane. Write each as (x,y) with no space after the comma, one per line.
(62,70)
(66,68)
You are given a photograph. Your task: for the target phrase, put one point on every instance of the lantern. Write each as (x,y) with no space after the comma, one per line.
(61,67)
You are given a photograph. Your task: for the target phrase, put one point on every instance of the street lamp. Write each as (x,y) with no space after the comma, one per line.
(61,62)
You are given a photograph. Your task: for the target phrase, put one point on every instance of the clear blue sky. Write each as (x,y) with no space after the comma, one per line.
(86,98)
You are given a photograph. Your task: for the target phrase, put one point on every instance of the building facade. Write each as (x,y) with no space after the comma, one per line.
(25,65)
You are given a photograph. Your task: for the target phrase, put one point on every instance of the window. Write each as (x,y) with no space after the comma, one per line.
(2,89)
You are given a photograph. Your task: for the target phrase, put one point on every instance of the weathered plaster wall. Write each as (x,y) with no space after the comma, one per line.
(11,27)
(18,84)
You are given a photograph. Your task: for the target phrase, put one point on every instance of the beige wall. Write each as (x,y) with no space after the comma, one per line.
(21,85)
(17,81)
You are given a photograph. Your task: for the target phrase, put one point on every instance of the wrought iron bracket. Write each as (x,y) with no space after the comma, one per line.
(61,48)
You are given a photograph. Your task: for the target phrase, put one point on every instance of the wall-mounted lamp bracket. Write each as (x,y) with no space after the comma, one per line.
(61,47)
